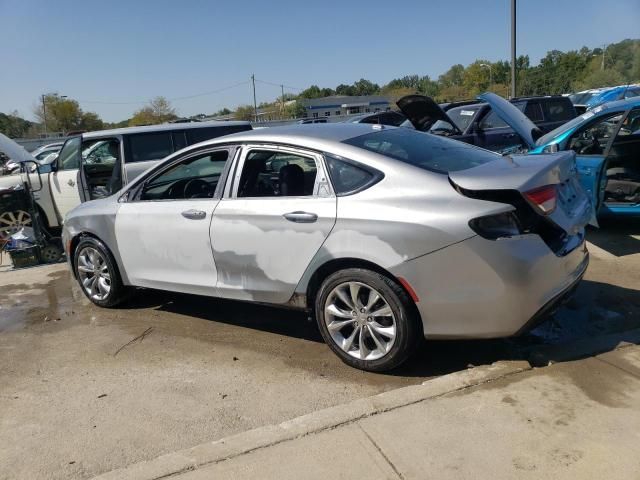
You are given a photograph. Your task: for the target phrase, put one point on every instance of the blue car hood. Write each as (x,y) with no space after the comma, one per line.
(513,117)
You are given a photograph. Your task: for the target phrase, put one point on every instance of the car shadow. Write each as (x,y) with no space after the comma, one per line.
(618,237)
(597,311)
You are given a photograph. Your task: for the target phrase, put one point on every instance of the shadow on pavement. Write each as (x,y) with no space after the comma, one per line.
(618,237)
(596,311)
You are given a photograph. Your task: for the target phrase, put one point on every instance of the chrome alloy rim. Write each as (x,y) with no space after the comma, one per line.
(12,222)
(94,274)
(360,321)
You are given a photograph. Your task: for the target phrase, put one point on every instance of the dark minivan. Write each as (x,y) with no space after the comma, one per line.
(474,122)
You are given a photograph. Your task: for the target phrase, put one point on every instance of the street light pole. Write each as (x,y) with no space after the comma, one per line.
(513,48)
(44,114)
(255,105)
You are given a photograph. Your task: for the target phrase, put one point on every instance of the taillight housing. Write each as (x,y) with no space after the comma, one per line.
(543,198)
(493,227)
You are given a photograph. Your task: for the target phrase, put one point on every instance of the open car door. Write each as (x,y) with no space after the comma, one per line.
(64,180)
(423,112)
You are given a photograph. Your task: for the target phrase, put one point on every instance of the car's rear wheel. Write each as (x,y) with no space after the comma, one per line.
(367,319)
(13,222)
(98,274)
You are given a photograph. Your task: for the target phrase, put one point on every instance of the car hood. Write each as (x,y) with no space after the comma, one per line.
(14,151)
(513,117)
(423,112)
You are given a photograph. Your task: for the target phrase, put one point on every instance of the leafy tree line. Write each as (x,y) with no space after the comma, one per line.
(558,72)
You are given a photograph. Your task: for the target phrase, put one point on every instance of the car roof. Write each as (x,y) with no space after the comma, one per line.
(163,127)
(316,136)
(625,103)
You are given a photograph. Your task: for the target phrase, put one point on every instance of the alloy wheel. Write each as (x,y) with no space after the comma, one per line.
(12,222)
(360,321)
(94,274)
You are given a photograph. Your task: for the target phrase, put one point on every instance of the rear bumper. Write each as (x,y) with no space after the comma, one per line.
(482,288)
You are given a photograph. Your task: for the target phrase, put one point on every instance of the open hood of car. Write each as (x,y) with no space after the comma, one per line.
(423,112)
(513,117)
(14,151)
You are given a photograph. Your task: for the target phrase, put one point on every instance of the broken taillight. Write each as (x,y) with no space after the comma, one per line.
(544,198)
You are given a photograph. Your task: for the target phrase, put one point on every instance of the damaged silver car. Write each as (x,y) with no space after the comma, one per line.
(386,234)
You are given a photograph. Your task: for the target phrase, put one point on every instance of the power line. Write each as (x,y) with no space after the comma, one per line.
(279,85)
(137,102)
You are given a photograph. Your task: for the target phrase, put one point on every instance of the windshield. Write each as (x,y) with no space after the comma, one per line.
(429,152)
(461,116)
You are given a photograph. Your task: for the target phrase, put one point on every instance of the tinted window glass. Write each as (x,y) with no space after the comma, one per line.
(531,110)
(461,116)
(557,110)
(428,152)
(149,146)
(69,158)
(277,174)
(179,140)
(492,120)
(197,135)
(348,177)
(196,177)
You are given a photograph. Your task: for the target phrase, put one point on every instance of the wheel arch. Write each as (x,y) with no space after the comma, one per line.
(75,241)
(337,264)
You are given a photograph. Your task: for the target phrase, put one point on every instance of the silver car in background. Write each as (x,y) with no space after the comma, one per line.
(385,234)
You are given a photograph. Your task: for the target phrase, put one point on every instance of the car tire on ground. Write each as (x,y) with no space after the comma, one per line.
(367,319)
(97,273)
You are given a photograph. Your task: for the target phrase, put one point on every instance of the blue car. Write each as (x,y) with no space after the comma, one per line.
(606,141)
(611,94)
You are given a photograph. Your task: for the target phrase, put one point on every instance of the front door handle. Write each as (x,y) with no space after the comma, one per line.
(71,183)
(194,214)
(509,135)
(301,217)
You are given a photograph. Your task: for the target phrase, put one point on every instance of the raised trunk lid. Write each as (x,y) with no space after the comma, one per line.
(500,179)
(423,112)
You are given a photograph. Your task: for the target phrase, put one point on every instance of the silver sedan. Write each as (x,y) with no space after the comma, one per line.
(385,234)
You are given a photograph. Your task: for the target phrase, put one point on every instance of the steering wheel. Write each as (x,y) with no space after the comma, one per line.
(197,188)
(592,147)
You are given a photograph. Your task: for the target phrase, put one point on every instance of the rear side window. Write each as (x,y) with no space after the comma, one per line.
(557,110)
(197,135)
(492,120)
(429,152)
(349,177)
(149,146)
(531,110)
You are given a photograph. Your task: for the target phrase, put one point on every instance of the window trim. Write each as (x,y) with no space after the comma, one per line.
(217,195)
(321,172)
(376,178)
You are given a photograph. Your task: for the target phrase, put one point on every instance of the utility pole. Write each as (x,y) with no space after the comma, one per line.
(44,114)
(604,49)
(255,104)
(513,48)
(282,88)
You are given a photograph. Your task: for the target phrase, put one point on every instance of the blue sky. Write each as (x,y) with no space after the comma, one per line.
(127,51)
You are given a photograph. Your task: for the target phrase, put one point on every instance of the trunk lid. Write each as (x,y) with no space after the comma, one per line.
(513,117)
(513,179)
(14,151)
(423,112)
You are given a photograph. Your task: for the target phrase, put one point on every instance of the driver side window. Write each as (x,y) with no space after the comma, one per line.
(593,139)
(195,177)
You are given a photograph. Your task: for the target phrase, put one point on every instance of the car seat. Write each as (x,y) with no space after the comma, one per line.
(291,180)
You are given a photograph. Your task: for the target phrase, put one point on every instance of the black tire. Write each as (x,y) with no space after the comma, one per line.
(117,292)
(407,324)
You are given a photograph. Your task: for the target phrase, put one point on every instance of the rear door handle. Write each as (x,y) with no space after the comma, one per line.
(301,217)
(71,183)
(194,214)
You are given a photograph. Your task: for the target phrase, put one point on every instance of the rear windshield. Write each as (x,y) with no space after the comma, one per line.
(423,150)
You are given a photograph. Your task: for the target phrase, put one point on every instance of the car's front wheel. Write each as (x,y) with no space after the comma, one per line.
(98,274)
(367,319)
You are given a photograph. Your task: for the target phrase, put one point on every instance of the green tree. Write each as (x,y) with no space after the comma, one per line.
(90,121)
(244,112)
(13,126)
(159,110)
(365,87)
(62,114)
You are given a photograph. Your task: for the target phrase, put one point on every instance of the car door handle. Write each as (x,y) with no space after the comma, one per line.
(194,214)
(71,183)
(301,217)
(509,135)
